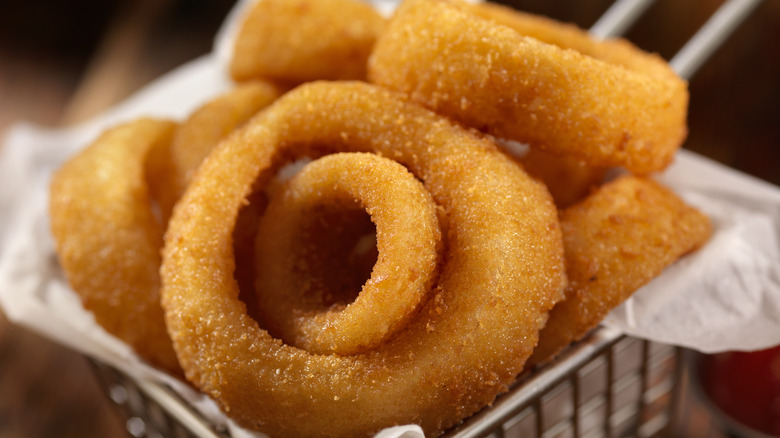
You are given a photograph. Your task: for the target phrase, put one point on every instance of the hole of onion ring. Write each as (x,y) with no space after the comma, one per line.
(336,253)
(244,250)
(341,254)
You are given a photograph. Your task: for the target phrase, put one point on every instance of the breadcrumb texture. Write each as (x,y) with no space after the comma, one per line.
(108,239)
(536,81)
(295,41)
(172,165)
(502,273)
(408,240)
(616,241)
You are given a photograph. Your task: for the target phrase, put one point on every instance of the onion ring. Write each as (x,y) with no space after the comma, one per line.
(297,41)
(341,253)
(503,271)
(408,240)
(535,81)
(108,239)
(174,164)
(640,228)
(568,179)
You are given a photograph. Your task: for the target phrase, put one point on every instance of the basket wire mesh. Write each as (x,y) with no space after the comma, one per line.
(152,410)
(606,385)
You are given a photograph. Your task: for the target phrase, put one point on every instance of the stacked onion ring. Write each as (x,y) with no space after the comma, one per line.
(533,80)
(295,41)
(616,240)
(109,232)
(409,246)
(412,269)
(109,242)
(502,272)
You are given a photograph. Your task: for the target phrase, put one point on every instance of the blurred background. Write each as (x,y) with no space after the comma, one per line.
(63,62)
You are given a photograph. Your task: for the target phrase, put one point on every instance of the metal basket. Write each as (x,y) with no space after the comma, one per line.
(605,385)
(151,409)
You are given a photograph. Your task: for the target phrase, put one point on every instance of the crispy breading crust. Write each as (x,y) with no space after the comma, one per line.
(503,271)
(617,240)
(535,81)
(296,41)
(409,245)
(108,239)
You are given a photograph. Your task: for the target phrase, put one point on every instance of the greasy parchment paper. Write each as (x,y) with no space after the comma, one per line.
(724,297)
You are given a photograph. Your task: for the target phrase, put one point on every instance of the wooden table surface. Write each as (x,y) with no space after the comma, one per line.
(69,69)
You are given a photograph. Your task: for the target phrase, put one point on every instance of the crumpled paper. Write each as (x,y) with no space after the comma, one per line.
(724,297)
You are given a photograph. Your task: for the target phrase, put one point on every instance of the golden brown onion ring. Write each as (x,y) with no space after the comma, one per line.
(408,240)
(174,165)
(296,41)
(616,240)
(108,239)
(568,179)
(503,272)
(532,80)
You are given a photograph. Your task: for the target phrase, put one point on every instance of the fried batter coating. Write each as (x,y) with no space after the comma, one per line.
(502,272)
(616,240)
(568,179)
(535,81)
(296,41)
(174,164)
(108,239)
(408,240)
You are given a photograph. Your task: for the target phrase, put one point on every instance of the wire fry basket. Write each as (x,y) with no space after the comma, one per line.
(606,385)
(150,409)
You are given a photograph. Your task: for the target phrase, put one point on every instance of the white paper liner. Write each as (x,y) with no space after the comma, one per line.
(724,297)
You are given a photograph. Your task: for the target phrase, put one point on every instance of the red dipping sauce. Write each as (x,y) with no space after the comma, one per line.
(745,387)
